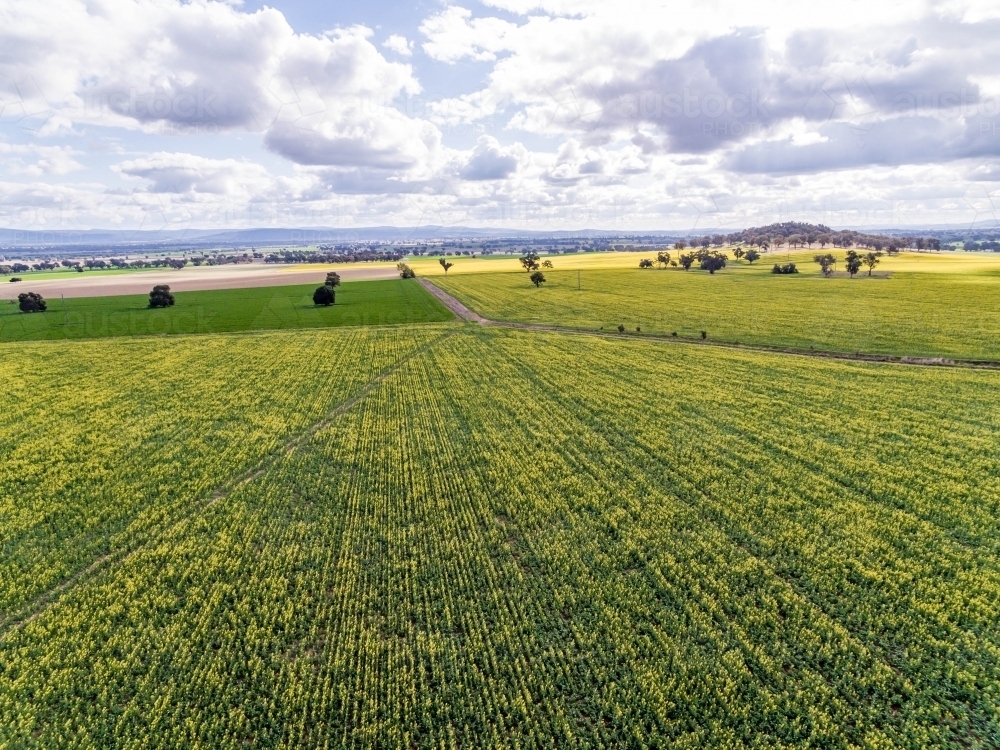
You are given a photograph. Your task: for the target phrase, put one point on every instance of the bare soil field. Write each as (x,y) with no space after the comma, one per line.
(191,279)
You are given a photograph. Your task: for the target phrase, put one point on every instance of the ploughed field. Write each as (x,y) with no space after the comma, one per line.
(948,312)
(454,536)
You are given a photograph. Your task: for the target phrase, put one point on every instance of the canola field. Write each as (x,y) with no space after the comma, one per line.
(465,537)
(949,310)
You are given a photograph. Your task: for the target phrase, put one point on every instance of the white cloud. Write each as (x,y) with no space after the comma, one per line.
(490,161)
(36,160)
(453,34)
(188,173)
(398,44)
(208,66)
(636,113)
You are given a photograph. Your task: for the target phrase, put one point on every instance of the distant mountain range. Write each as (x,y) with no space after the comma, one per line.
(291,236)
(95,238)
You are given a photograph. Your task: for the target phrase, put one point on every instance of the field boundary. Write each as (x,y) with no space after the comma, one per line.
(37,606)
(471,316)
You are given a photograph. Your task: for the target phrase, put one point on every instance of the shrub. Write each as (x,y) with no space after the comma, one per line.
(621,328)
(405,272)
(784,268)
(161,296)
(30,302)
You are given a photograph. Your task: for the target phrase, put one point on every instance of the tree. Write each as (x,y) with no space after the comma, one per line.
(663,259)
(739,252)
(405,272)
(324,296)
(826,263)
(853,262)
(714,261)
(645,263)
(332,279)
(687,260)
(751,255)
(31,302)
(537,278)
(161,296)
(871,260)
(547,264)
(530,262)
(680,245)
(445,265)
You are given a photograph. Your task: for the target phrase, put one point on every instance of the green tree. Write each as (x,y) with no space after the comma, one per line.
(324,296)
(537,278)
(714,261)
(853,262)
(31,302)
(332,279)
(687,260)
(645,263)
(738,253)
(405,272)
(826,262)
(663,259)
(530,262)
(161,296)
(871,260)
(751,255)
(445,265)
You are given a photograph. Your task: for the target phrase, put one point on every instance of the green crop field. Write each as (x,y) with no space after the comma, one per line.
(940,313)
(450,536)
(390,302)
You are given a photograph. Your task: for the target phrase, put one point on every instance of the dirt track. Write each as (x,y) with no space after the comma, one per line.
(184,280)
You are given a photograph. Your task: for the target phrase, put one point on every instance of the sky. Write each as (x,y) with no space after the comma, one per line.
(510,114)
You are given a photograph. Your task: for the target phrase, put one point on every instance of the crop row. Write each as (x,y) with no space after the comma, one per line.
(102,441)
(916,314)
(526,540)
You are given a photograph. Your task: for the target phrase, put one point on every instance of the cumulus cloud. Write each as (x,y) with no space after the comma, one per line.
(780,91)
(210,67)
(188,173)
(490,161)
(398,44)
(453,34)
(635,114)
(36,160)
